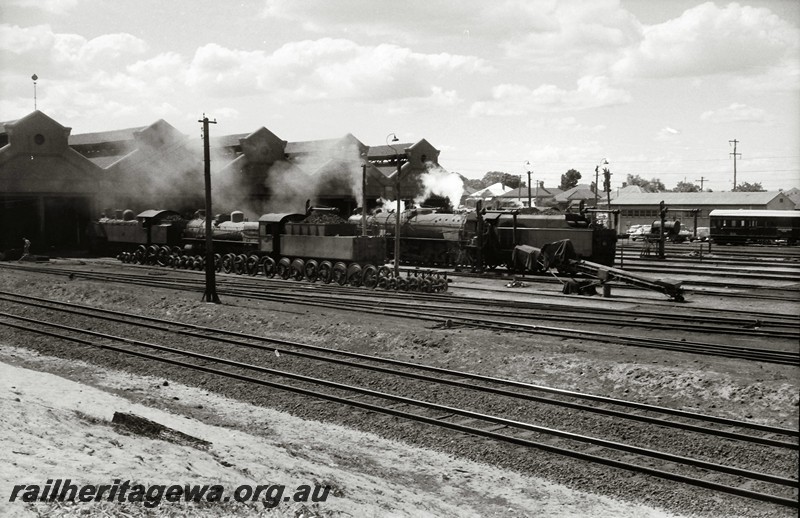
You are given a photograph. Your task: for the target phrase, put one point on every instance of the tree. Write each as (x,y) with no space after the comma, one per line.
(653,185)
(749,187)
(509,180)
(569,179)
(686,187)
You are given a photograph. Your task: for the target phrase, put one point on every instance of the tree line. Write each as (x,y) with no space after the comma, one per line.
(572,178)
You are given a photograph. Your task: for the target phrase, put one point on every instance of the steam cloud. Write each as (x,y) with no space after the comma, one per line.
(437,181)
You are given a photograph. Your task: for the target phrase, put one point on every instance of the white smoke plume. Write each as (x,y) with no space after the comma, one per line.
(437,181)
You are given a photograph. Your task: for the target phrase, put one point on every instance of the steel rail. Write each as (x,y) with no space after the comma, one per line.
(765,320)
(754,319)
(734,352)
(203,331)
(773,479)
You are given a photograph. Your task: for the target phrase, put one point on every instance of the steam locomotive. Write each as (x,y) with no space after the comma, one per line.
(321,245)
(428,237)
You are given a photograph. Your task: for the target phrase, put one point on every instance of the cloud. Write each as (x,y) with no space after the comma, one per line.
(65,55)
(734,113)
(515,99)
(50,6)
(708,40)
(667,133)
(327,69)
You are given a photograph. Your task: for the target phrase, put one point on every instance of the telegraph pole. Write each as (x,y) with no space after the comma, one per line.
(701,180)
(210,294)
(735,154)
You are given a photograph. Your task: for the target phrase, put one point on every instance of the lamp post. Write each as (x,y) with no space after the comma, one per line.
(597,180)
(35,78)
(397,210)
(528,167)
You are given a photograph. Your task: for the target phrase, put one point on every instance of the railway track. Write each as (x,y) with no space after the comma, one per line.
(470,416)
(438,310)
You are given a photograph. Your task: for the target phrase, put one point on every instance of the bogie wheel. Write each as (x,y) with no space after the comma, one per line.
(227,263)
(217,263)
(198,262)
(312,270)
(354,275)
(325,271)
(401,284)
(339,274)
(298,269)
(441,285)
(283,268)
(370,277)
(413,283)
(268,267)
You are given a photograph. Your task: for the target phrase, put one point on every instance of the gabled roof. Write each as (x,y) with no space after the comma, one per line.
(386,152)
(496,189)
(104,137)
(522,192)
(579,192)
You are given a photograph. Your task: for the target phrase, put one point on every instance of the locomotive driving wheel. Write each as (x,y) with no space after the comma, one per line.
(370,277)
(354,275)
(283,268)
(163,257)
(252,265)
(325,271)
(297,269)
(240,264)
(140,255)
(312,270)
(268,266)
(227,263)
(339,274)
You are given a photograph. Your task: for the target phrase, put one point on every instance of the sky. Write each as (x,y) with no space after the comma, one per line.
(658,88)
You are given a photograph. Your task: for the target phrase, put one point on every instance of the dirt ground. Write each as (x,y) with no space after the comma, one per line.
(54,427)
(57,415)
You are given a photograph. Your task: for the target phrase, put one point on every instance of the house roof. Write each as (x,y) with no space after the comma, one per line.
(579,192)
(697,198)
(541,192)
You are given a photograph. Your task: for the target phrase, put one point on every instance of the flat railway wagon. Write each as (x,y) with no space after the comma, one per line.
(743,227)
(429,237)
